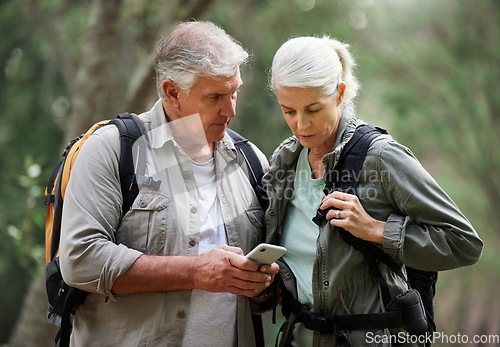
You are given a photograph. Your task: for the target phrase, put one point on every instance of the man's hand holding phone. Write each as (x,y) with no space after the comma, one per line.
(265,256)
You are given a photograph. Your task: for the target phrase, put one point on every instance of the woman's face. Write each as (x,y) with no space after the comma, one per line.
(312,116)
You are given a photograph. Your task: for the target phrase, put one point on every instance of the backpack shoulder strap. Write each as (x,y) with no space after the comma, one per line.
(346,173)
(56,189)
(345,177)
(254,169)
(129,132)
(254,173)
(250,157)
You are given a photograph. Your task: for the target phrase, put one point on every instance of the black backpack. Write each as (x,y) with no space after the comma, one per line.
(63,299)
(345,178)
(413,309)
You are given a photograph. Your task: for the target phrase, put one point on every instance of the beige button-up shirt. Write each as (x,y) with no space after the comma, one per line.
(98,245)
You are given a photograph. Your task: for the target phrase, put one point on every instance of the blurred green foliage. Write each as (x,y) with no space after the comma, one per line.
(429,72)
(28,143)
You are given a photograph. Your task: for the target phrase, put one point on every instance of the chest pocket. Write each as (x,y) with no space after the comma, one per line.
(144,227)
(251,228)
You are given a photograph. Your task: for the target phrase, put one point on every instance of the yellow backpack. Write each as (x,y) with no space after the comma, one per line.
(63,299)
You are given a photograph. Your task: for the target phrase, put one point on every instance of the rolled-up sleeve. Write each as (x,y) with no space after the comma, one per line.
(431,233)
(89,256)
(394,233)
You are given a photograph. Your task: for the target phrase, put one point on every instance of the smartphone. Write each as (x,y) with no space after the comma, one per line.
(265,253)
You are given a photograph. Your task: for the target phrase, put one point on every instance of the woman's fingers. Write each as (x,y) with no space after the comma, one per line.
(348,213)
(339,200)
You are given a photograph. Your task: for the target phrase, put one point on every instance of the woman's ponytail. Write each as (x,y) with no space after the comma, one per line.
(312,62)
(348,64)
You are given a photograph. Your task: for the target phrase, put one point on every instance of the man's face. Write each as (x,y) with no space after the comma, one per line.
(214,100)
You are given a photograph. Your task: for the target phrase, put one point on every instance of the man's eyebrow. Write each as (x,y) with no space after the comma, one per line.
(224,93)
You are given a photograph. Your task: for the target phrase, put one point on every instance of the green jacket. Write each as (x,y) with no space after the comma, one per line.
(424,228)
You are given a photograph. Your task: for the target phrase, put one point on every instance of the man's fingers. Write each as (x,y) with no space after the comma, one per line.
(232,249)
(270,269)
(244,288)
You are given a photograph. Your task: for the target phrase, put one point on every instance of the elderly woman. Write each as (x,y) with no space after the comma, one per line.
(328,285)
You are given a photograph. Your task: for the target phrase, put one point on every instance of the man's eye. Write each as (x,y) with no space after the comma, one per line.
(215,97)
(314,111)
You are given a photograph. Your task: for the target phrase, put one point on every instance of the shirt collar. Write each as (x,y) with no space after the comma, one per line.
(161,133)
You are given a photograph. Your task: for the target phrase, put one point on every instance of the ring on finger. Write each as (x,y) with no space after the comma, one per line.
(337,214)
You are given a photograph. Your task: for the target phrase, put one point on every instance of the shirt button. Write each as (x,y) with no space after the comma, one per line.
(192,242)
(326,283)
(142,203)
(193,210)
(185,175)
(288,275)
(271,212)
(181,314)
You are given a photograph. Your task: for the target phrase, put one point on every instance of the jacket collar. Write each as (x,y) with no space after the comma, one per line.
(345,131)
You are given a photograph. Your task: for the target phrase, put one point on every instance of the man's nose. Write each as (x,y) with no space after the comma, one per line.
(229,108)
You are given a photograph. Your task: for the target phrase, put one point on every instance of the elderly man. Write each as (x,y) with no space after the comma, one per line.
(171,271)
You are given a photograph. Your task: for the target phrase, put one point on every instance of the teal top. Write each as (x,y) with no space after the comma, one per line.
(424,229)
(300,232)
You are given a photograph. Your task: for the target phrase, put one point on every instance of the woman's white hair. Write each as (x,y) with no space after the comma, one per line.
(313,62)
(196,49)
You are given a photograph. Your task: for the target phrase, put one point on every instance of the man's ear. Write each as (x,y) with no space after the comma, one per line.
(171,92)
(341,93)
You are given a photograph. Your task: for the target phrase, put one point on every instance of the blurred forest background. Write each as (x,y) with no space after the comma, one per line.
(429,71)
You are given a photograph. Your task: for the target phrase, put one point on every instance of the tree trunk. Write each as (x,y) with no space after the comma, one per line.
(32,328)
(98,94)
(93,88)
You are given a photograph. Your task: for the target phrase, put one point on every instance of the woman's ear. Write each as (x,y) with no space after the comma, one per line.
(171,92)
(341,93)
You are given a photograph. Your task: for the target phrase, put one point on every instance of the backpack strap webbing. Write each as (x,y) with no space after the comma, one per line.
(74,298)
(49,197)
(129,133)
(331,324)
(254,172)
(252,164)
(345,177)
(58,203)
(346,173)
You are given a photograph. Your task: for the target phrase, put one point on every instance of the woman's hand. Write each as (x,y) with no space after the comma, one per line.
(348,213)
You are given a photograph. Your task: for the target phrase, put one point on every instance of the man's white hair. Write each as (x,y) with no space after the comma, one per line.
(196,49)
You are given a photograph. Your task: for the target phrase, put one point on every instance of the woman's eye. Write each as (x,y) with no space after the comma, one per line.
(313,111)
